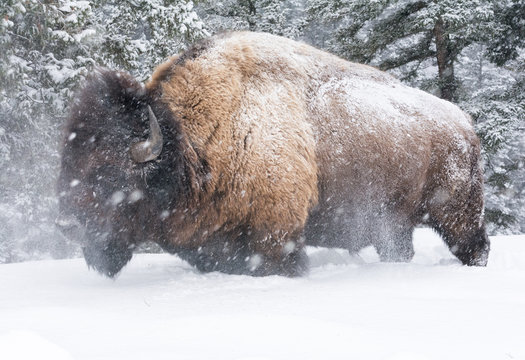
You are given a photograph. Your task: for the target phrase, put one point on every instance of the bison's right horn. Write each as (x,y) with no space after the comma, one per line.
(151,148)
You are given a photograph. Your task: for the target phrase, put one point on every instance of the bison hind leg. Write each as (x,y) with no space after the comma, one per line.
(471,245)
(476,251)
(455,211)
(394,243)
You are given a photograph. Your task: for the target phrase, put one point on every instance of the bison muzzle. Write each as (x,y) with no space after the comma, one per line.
(247,147)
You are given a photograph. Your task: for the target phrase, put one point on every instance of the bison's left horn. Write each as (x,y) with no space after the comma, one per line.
(151,148)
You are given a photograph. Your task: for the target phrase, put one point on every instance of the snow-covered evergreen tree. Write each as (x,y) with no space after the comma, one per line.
(137,35)
(43,52)
(497,102)
(405,35)
(509,34)
(279,17)
(500,117)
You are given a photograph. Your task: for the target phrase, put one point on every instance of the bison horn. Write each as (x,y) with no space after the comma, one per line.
(151,148)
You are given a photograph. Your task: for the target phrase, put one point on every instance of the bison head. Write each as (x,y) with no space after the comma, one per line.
(110,170)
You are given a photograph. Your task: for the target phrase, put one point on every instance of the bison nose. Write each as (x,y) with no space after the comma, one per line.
(70,227)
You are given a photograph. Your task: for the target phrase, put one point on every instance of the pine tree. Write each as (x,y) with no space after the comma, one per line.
(43,51)
(137,35)
(279,17)
(509,36)
(498,108)
(405,35)
(500,117)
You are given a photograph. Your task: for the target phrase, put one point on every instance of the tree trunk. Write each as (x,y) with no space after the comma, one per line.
(480,65)
(252,11)
(445,61)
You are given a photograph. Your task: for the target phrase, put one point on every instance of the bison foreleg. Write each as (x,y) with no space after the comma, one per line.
(250,253)
(218,256)
(278,253)
(292,264)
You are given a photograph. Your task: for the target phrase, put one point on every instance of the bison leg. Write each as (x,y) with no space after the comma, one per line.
(218,256)
(250,253)
(277,253)
(292,264)
(469,244)
(456,213)
(244,263)
(394,244)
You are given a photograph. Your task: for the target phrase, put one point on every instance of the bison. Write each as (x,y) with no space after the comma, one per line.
(247,147)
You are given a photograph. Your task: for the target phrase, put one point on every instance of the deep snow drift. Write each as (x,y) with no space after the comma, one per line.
(348,307)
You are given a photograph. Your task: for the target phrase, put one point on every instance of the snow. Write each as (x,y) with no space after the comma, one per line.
(117,197)
(348,307)
(135,196)
(75,5)
(84,34)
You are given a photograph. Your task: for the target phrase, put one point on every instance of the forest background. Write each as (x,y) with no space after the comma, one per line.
(469,52)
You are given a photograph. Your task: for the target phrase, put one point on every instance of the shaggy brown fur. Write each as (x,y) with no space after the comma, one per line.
(269,143)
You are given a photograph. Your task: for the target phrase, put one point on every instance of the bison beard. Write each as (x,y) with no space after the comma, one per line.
(248,146)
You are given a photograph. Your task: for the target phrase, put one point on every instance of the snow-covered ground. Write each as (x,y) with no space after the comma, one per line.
(348,307)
